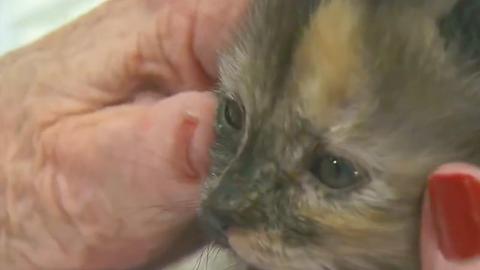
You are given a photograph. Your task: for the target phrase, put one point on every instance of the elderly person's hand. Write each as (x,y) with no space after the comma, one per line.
(451,219)
(101,155)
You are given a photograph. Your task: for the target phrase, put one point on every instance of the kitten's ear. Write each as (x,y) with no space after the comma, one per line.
(439,8)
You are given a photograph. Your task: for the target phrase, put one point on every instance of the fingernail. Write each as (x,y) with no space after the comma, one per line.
(185,140)
(455,206)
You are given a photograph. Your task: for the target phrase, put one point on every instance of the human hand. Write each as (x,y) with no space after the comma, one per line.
(451,219)
(101,156)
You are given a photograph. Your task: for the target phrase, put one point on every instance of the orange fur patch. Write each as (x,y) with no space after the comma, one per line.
(328,63)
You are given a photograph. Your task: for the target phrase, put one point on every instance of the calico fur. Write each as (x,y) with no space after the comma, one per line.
(379,83)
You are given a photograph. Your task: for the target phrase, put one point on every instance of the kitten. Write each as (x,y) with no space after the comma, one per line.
(331,116)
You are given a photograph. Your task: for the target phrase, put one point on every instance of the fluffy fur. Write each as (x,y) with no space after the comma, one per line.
(391,86)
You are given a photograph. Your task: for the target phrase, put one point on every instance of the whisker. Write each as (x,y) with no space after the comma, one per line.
(209,252)
(186,204)
(199,260)
(173,207)
(217,251)
(231,266)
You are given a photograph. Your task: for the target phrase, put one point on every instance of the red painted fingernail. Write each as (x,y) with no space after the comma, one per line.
(455,205)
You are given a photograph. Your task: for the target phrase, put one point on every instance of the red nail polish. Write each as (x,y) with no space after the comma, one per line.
(455,205)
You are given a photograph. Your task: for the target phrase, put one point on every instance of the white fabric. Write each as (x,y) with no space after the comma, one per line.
(22,21)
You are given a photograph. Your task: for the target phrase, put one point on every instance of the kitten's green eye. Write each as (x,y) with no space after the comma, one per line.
(335,172)
(233,114)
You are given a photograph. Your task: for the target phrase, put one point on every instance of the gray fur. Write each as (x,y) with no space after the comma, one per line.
(422,112)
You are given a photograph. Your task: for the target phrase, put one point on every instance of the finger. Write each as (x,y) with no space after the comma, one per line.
(180,51)
(432,258)
(155,147)
(450,238)
(213,33)
(136,167)
(126,46)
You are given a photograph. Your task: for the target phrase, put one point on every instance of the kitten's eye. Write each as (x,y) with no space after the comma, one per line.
(335,172)
(233,114)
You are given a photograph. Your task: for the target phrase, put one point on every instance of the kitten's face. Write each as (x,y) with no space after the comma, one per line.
(327,130)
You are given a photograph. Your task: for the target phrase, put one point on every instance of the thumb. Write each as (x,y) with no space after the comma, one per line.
(450,224)
(153,147)
(135,167)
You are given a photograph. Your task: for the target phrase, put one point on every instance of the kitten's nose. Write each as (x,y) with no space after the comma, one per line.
(226,208)
(216,224)
(221,207)
(242,202)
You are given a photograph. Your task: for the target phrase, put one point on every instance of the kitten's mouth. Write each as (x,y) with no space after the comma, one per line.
(221,240)
(227,246)
(222,234)
(226,243)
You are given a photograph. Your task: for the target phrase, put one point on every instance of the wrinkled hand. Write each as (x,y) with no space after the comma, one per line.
(101,157)
(451,219)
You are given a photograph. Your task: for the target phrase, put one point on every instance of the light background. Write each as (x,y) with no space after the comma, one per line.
(24,21)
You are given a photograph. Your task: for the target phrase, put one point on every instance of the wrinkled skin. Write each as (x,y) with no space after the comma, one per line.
(100,167)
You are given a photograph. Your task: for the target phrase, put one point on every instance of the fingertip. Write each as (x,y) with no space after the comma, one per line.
(214,30)
(203,137)
(458,167)
(454,198)
(185,123)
